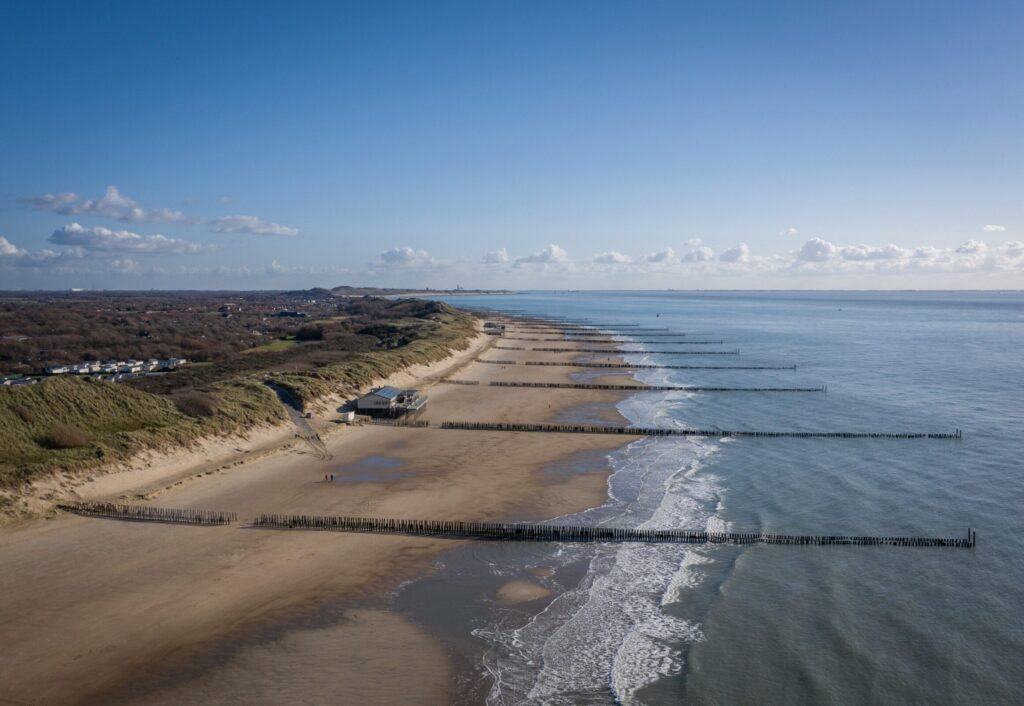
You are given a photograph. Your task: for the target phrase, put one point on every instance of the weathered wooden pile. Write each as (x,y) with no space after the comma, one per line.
(144,513)
(398,422)
(633,388)
(524,532)
(618,350)
(615,340)
(646,366)
(657,431)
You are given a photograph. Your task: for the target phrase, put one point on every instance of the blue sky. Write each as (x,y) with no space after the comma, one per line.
(564,144)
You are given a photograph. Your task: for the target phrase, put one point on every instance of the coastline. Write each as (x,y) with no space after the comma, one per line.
(150,603)
(151,473)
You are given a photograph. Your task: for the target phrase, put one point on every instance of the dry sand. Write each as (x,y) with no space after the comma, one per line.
(95,611)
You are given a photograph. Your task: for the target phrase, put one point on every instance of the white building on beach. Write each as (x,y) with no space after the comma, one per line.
(392,402)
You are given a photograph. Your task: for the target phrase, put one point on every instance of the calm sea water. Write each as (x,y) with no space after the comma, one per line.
(767,624)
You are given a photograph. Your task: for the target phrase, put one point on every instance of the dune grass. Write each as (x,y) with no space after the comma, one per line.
(118,420)
(281,344)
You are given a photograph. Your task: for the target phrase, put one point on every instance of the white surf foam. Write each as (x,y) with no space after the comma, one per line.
(610,636)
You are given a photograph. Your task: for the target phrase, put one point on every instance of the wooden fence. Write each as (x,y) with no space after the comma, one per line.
(660,431)
(614,340)
(634,388)
(524,532)
(645,366)
(144,513)
(618,350)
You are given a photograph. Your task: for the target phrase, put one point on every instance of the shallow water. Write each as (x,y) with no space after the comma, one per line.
(372,469)
(663,624)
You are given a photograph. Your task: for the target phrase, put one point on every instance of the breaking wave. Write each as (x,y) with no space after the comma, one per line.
(610,636)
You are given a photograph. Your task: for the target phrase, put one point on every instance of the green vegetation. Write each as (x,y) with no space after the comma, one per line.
(70,423)
(409,340)
(66,436)
(112,423)
(273,347)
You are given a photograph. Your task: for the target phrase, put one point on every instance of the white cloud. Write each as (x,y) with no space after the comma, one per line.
(61,203)
(123,241)
(993,228)
(125,265)
(612,257)
(789,231)
(817,250)
(1013,249)
(13,256)
(662,257)
(701,253)
(405,258)
(495,257)
(250,224)
(276,268)
(871,252)
(973,247)
(113,204)
(974,256)
(698,252)
(9,249)
(740,253)
(551,255)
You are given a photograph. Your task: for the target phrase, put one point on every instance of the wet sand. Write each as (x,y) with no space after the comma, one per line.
(96,611)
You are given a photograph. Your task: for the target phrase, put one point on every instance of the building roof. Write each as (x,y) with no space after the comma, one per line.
(388,393)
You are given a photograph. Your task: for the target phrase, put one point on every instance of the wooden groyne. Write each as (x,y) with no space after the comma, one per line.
(619,350)
(144,513)
(526,532)
(398,422)
(659,431)
(652,367)
(634,388)
(605,334)
(614,340)
(591,331)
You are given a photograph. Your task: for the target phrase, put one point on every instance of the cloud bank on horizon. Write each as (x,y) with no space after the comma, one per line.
(114,254)
(122,257)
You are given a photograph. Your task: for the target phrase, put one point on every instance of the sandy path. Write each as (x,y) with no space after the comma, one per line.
(92,607)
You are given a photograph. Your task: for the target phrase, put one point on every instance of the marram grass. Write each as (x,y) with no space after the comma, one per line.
(122,421)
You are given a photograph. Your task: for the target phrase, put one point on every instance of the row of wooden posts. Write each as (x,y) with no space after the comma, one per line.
(633,388)
(605,334)
(507,531)
(647,366)
(398,422)
(635,366)
(145,513)
(659,431)
(619,350)
(615,340)
(644,331)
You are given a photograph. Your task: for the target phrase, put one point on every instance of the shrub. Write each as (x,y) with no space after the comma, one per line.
(67,436)
(195,404)
(24,413)
(313,332)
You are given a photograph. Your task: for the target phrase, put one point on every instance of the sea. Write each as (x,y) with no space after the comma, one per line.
(767,624)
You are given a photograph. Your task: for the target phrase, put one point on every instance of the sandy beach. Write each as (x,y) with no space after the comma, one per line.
(99,611)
